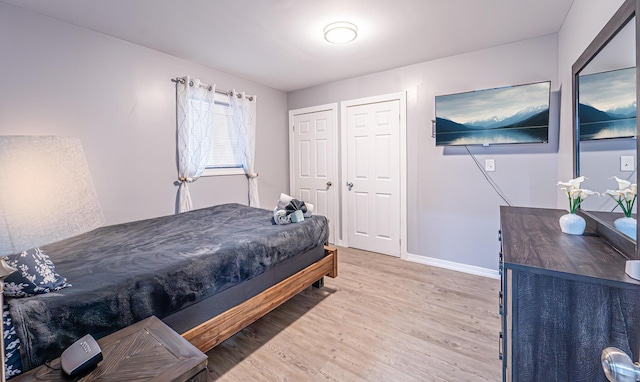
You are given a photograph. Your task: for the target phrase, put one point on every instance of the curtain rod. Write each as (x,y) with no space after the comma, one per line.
(209,87)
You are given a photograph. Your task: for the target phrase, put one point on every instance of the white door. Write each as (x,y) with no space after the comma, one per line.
(314,160)
(373,177)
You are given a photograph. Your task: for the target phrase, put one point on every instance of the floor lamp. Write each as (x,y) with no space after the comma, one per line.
(46,195)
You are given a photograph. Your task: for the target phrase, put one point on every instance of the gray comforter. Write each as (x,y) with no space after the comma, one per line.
(124,273)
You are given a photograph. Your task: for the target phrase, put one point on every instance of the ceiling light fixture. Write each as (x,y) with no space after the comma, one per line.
(340,33)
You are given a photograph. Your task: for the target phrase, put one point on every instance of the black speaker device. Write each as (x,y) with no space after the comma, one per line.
(81,356)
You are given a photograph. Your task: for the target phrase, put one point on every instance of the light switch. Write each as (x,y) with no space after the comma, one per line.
(490,165)
(627,163)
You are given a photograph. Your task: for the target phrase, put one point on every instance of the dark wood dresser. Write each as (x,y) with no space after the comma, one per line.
(146,351)
(563,299)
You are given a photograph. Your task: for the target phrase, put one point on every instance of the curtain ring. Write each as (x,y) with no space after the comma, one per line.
(191,83)
(210,88)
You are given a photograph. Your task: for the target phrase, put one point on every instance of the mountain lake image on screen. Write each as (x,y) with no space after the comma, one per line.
(513,114)
(607,107)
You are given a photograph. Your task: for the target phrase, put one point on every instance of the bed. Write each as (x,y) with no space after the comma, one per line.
(206,273)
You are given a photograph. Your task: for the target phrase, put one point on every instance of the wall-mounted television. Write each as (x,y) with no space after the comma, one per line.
(512,114)
(607,104)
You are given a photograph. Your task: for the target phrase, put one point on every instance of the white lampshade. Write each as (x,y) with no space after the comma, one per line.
(341,32)
(46,192)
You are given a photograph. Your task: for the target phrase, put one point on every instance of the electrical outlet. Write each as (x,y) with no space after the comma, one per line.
(490,165)
(627,163)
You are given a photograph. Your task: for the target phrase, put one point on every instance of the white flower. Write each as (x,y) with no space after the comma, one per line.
(629,194)
(575,193)
(573,183)
(622,183)
(614,194)
(586,193)
(625,195)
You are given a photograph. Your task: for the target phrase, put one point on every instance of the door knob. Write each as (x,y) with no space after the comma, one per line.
(349,184)
(617,365)
(329,184)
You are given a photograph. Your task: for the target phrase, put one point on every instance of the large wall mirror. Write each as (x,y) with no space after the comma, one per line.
(605,112)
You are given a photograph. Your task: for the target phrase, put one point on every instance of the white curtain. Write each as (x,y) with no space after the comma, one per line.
(244,123)
(195,121)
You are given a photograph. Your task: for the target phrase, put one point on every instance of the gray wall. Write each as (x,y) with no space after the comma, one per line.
(453,212)
(599,161)
(117,97)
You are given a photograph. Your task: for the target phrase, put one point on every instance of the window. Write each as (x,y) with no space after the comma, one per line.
(225,157)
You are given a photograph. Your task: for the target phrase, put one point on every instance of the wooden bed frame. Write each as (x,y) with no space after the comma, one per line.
(217,329)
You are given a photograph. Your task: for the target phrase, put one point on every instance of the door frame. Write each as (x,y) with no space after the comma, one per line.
(402,98)
(333,107)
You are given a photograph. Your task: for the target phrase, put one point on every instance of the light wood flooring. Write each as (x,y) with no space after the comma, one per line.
(382,319)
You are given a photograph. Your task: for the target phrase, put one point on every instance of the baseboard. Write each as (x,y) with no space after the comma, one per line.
(471,269)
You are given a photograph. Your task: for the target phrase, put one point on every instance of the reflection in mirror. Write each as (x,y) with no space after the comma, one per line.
(607,119)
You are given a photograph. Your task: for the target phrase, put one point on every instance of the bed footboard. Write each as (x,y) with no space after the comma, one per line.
(212,332)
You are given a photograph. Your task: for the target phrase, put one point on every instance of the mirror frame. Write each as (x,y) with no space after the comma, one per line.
(620,19)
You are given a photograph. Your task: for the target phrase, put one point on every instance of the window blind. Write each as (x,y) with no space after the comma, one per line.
(224,152)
